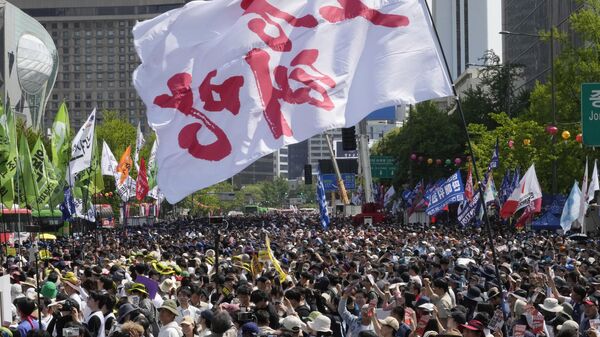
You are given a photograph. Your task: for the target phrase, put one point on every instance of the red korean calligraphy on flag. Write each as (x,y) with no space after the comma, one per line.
(227,82)
(141,184)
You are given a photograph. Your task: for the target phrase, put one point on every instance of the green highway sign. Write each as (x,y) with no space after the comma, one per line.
(590,113)
(382,167)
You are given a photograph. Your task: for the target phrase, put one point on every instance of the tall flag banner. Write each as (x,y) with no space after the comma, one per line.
(81,148)
(417,196)
(469,184)
(526,192)
(43,175)
(389,194)
(67,207)
(97,181)
(572,208)
(109,162)
(322,201)
(276,265)
(505,187)
(153,173)
(139,144)
(495,161)
(583,204)
(490,194)
(61,132)
(8,158)
(142,182)
(451,191)
(258,66)
(124,165)
(27,173)
(594,185)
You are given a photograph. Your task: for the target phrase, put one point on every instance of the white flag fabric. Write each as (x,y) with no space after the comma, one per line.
(583,203)
(388,196)
(109,162)
(490,195)
(81,147)
(226,82)
(527,192)
(139,144)
(594,185)
(571,209)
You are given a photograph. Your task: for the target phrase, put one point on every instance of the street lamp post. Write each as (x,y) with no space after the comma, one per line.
(553,94)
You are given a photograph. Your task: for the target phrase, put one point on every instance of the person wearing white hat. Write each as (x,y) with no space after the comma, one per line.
(320,326)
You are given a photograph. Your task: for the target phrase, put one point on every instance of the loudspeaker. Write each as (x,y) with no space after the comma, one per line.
(349,139)
(308,174)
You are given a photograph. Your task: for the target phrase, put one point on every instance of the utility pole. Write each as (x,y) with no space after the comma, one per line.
(364,160)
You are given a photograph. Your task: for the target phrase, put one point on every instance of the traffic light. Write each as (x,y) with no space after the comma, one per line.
(349,139)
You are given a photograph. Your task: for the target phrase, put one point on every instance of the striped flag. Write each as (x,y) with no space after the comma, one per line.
(322,201)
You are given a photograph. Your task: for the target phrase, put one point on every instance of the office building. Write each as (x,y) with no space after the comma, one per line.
(467,29)
(530,52)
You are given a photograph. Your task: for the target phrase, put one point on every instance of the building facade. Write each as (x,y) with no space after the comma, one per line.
(530,52)
(467,29)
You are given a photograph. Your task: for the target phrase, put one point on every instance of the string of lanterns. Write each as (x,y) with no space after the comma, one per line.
(550,129)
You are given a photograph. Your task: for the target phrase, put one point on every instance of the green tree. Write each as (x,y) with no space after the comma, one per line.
(428,132)
(575,65)
(275,193)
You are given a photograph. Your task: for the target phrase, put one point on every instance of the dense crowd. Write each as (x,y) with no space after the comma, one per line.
(386,280)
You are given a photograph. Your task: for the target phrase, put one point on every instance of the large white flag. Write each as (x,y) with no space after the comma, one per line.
(109,162)
(527,194)
(594,185)
(226,82)
(571,208)
(81,147)
(139,144)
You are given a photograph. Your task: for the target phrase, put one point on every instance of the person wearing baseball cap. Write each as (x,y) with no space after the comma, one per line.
(473,328)
(385,327)
(590,312)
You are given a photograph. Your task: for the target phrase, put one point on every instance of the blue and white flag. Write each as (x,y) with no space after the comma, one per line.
(572,208)
(451,191)
(322,201)
(67,207)
(468,210)
(495,161)
(505,187)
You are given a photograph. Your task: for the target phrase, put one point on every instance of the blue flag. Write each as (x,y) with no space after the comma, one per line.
(505,187)
(495,157)
(451,191)
(322,201)
(67,207)
(571,209)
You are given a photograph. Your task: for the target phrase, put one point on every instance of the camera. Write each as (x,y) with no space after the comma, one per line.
(245,317)
(70,332)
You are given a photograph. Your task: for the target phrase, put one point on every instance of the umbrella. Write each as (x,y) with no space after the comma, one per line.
(47,236)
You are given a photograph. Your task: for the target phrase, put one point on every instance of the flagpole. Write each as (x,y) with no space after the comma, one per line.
(475,170)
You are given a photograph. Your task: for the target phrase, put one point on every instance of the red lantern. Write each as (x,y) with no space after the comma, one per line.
(457,161)
(413,157)
(579,138)
(552,130)
(438,162)
(511,144)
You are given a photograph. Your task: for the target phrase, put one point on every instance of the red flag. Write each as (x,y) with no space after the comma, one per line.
(141,186)
(469,185)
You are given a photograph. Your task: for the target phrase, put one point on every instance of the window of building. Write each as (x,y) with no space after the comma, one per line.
(122,104)
(111,33)
(55,35)
(55,97)
(111,67)
(99,76)
(77,85)
(76,25)
(65,34)
(99,95)
(77,67)
(77,104)
(88,42)
(88,33)
(131,57)
(65,42)
(121,84)
(121,66)
(121,50)
(111,59)
(65,50)
(99,24)
(76,51)
(65,25)
(98,58)
(122,23)
(111,84)
(76,42)
(131,104)
(99,50)
(111,95)
(77,97)
(88,104)
(88,59)
(131,94)
(88,85)
(66,75)
(122,41)
(65,59)
(76,76)
(77,33)
(121,76)
(122,95)
(110,41)
(66,85)
(122,58)
(110,50)
(122,32)
(111,76)
(99,33)
(111,104)
(54,26)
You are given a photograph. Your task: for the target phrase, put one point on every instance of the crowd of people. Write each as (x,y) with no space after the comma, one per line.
(285,276)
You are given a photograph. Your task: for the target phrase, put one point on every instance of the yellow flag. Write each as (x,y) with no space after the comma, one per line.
(125,165)
(282,274)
